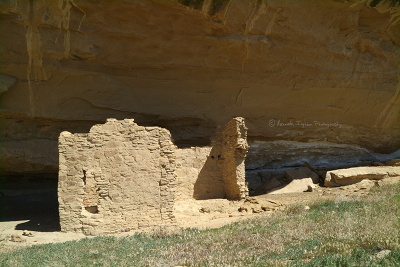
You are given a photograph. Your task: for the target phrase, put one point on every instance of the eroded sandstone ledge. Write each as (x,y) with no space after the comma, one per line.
(305,71)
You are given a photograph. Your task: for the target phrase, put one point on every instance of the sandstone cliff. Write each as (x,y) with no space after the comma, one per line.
(301,71)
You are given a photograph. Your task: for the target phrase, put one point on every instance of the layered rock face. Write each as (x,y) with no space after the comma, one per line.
(302,71)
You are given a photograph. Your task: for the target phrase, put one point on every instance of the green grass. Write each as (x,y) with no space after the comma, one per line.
(347,232)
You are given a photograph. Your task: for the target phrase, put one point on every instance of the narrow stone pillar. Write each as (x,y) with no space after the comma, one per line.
(230,144)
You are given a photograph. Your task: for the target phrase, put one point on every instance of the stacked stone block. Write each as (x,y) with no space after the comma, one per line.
(118,177)
(121,176)
(217,171)
(230,148)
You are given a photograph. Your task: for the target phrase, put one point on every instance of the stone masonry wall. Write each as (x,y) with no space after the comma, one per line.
(122,176)
(231,146)
(198,174)
(118,177)
(217,171)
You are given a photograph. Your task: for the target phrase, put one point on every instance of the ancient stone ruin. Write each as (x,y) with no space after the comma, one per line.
(121,176)
(216,171)
(230,148)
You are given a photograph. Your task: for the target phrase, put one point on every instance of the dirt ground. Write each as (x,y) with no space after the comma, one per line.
(30,213)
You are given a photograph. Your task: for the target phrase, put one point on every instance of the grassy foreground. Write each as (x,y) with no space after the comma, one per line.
(346,232)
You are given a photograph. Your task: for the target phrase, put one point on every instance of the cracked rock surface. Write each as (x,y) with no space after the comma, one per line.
(302,71)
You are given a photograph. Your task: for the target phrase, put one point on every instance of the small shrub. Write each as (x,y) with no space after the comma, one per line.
(295,209)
